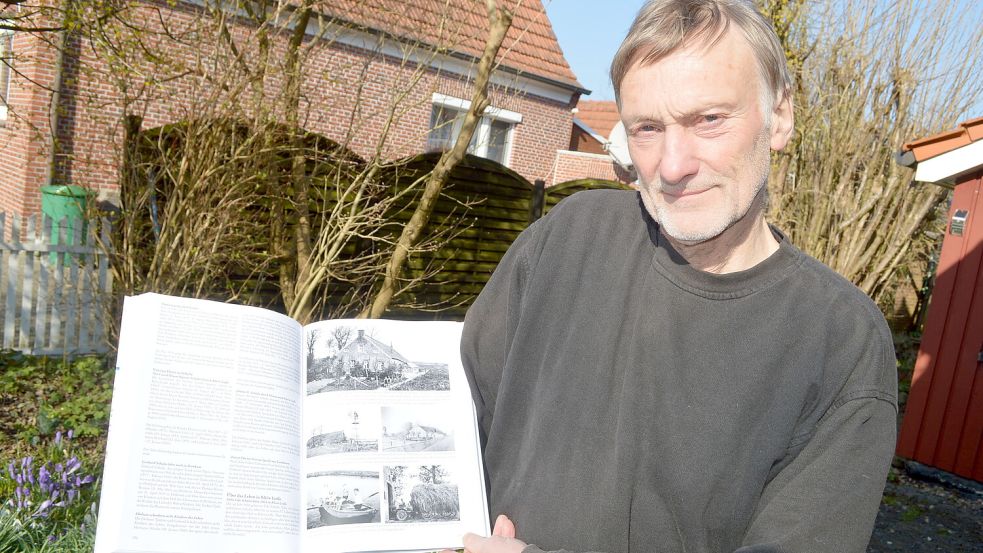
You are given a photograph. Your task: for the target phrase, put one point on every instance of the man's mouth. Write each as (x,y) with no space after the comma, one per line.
(684,193)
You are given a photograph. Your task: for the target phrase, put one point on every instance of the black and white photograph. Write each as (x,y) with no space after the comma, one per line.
(416,428)
(343,497)
(347,357)
(421,493)
(343,429)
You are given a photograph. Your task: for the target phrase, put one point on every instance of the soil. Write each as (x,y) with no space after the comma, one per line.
(920,515)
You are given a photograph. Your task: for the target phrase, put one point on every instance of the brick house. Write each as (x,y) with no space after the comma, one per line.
(421,432)
(374,55)
(590,153)
(367,355)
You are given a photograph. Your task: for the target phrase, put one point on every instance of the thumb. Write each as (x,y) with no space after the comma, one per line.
(473,543)
(504,527)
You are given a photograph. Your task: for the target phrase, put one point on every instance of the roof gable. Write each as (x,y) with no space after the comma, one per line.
(600,115)
(366,345)
(460,26)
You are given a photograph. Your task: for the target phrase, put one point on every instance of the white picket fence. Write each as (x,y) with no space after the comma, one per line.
(54,293)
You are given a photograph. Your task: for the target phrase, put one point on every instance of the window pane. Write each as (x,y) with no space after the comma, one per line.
(498,141)
(442,129)
(6,58)
(473,145)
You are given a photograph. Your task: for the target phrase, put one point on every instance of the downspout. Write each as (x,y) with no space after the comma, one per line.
(55,105)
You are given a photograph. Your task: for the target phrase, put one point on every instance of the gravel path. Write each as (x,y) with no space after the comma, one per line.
(919,516)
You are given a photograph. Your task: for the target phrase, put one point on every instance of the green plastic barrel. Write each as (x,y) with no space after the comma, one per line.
(63,202)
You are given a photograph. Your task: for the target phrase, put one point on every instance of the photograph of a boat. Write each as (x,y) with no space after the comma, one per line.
(345,511)
(347,514)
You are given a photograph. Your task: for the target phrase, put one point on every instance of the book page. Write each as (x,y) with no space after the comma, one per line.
(392,459)
(203,451)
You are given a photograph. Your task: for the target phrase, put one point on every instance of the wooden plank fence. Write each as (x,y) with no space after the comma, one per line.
(486,205)
(55,285)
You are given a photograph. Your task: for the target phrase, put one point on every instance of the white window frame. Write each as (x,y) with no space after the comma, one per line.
(483,132)
(4,34)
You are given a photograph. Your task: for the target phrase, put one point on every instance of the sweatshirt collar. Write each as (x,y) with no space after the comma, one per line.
(670,264)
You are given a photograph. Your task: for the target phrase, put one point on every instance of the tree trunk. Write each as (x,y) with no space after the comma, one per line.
(500,21)
(301,238)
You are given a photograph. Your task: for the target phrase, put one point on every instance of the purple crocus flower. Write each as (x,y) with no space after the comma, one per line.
(42,511)
(42,491)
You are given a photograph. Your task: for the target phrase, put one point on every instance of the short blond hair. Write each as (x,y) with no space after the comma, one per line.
(664,26)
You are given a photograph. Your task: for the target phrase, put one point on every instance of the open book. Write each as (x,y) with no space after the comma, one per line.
(235,429)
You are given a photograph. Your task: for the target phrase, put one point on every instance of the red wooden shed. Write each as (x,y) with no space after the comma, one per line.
(943,421)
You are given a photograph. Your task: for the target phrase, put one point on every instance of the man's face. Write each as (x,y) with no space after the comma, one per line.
(699,138)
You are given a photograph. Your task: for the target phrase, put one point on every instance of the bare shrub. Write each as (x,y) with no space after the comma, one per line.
(869,77)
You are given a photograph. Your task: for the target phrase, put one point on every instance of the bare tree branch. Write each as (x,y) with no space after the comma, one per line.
(500,20)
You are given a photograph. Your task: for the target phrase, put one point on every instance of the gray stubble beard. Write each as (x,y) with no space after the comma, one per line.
(669,227)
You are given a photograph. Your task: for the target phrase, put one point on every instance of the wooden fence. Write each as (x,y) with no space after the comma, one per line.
(485,205)
(55,285)
(481,210)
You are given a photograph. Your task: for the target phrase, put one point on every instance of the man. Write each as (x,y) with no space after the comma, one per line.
(663,371)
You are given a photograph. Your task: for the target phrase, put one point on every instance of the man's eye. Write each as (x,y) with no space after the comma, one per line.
(712,118)
(647,128)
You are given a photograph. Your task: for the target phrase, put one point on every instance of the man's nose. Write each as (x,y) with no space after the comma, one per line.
(678,156)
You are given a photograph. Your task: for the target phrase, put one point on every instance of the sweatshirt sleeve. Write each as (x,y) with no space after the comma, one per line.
(826,498)
(489,327)
(824,495)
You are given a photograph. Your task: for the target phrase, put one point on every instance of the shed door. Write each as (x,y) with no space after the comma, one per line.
(943,422)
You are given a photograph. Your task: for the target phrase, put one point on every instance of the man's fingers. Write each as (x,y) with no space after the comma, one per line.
(504,527)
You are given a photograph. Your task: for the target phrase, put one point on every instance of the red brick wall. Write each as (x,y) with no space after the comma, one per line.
(581,165)
(348,95)
(25,133)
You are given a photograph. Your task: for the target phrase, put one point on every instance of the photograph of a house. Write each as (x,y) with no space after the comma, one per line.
(356,360)
(416,428)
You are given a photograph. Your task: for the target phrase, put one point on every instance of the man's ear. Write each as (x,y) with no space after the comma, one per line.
(782,122)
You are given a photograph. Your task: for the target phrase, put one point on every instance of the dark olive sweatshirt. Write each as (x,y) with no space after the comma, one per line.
(629,402)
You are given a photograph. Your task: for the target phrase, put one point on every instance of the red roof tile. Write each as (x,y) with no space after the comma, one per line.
(600,115)
(967,132)
(461,26)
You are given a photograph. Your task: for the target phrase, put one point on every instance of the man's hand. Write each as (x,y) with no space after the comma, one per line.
(502,539)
